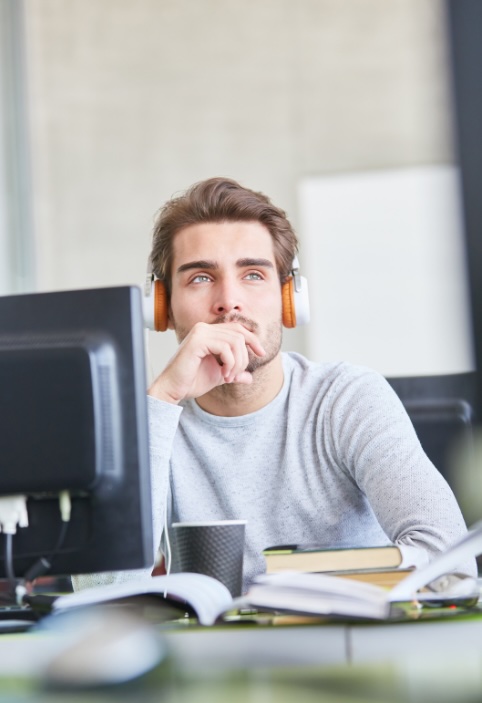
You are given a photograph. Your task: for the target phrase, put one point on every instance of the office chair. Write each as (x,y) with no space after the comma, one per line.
(443,412)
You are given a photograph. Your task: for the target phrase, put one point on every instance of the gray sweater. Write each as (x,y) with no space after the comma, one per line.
(333,459)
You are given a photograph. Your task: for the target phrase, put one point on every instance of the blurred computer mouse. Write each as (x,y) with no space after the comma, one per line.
(99,646)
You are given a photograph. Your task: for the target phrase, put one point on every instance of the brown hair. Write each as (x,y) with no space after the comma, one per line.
(220,200)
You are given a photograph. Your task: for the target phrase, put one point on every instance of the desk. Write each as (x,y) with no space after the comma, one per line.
(454,639)
(420,661)
(254,646)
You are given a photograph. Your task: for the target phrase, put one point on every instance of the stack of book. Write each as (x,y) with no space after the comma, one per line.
(377,565)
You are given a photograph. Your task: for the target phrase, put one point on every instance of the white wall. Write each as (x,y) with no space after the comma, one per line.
(131,102)
(17,250)
(386,265)
(5,259)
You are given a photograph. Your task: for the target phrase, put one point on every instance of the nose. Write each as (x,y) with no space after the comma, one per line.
(227,298)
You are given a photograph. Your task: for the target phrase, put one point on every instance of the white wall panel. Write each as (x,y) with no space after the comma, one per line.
(385,259)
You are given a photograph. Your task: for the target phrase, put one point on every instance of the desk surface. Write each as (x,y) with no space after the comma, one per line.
(416,661)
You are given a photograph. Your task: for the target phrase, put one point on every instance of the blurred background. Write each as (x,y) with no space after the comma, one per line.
(340,111)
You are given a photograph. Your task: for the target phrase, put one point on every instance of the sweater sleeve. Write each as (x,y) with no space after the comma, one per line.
(378,446)
(163,421)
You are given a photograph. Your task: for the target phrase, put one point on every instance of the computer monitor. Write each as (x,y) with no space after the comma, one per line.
(465,40)
(465,44)
(73,422)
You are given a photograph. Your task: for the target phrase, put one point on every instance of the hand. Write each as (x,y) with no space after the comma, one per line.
(209,356)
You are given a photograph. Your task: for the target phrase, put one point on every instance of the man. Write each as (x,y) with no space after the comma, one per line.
(306,453)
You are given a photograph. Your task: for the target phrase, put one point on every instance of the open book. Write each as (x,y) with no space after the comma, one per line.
(202,595)
(316,594)
(331,595)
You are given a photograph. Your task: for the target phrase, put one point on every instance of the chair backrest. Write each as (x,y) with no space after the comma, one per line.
(443,412)
(442,409)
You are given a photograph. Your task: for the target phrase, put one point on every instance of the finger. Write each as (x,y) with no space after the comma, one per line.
(250,338)
(230,349)
(257,349)
(226,359)
(244,377)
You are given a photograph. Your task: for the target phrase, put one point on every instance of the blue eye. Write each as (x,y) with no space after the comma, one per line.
(253,276)
(200,278)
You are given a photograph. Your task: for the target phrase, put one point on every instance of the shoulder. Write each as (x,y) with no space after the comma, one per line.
(338,373)
(339,383)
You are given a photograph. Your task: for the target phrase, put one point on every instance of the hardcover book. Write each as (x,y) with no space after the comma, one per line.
(314,559)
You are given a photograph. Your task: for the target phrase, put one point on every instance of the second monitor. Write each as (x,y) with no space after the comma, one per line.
(73,432)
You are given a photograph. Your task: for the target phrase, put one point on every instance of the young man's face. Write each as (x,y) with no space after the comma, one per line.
(225,272)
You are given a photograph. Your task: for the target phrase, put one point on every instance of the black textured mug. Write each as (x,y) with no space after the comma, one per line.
(214,548)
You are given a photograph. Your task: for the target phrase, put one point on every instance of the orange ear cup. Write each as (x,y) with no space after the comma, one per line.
(288,304)
(160,306)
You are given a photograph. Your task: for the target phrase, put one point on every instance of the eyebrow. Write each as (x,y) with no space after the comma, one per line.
(201,264)
(211,265)
(261,263)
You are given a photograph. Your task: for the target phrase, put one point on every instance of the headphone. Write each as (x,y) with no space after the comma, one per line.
(294,298)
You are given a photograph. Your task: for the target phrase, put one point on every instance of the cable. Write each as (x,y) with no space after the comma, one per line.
(44,564)
(167,545)
(65,506)
(9,568)
(60,541)
(13,513)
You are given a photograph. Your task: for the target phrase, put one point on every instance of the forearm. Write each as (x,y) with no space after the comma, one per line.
(411,500)
(163,422)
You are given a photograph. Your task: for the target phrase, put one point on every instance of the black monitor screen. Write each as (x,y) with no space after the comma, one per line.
(73,422)
(465,35)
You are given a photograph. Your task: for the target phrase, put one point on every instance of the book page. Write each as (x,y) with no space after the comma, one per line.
(468,547)
(207,596)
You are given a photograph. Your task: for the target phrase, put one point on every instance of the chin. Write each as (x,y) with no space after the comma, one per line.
(256,362)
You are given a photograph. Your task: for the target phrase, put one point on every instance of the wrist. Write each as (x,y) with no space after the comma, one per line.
(158,391)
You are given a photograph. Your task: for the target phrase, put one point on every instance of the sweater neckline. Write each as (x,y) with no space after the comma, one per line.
(249,418)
